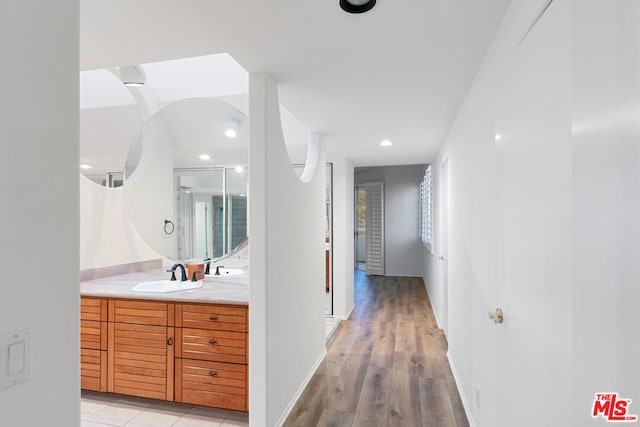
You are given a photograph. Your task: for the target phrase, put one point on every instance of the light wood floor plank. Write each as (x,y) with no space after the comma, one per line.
(385,366)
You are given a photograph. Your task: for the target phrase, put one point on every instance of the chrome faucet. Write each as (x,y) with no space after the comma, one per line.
(173,272)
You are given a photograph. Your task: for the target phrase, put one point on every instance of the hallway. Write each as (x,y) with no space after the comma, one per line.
(385,366)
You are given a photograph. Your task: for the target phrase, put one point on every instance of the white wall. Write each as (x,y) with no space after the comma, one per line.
(606,203)
(403,248)
(287,272)
(39,169)
(549,212)
(343,221)
(107,236)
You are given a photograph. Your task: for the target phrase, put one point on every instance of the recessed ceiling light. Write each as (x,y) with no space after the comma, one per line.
(239,169)
(85,166)
(204,157)
(357,6)
(231,129)
(386,143)
(498,137)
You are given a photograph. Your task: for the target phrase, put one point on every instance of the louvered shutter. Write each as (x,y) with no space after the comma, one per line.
(375,227)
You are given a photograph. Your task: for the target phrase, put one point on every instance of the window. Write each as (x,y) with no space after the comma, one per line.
(426,218)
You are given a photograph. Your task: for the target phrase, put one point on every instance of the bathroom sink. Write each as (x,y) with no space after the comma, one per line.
(166,286)
(227,272)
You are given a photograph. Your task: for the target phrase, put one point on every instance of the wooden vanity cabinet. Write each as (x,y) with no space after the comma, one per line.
(141,348)
(93,343)
(183,352)
(211,355)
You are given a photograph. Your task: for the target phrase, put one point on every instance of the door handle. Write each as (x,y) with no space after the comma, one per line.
(496,315)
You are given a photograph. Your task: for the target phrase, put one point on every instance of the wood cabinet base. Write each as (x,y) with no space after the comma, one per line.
(190,353)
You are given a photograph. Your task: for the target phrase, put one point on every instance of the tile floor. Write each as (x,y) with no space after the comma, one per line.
(109,410)
(114,410)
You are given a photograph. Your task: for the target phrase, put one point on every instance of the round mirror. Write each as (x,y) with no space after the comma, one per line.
(186,179)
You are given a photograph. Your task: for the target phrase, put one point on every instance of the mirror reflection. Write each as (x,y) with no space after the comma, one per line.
(186,179)
(211,211)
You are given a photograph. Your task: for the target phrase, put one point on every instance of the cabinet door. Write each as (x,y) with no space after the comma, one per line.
(141,360)
(93,334)
(93,369)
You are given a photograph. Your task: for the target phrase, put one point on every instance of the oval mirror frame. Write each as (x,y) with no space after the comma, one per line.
(185,177)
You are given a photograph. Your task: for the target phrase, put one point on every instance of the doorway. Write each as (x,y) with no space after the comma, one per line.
(369,228)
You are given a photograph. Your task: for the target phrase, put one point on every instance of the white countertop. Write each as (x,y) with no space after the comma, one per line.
(225,290)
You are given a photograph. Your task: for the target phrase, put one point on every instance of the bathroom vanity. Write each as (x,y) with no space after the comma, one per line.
(189,346)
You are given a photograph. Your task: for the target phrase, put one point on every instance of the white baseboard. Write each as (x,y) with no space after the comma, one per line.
(463,397)
(304,384)
(348,314)
(437,320)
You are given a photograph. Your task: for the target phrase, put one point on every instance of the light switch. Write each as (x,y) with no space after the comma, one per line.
(15,357)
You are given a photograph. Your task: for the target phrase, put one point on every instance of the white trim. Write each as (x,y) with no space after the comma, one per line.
(463,397)
(303,385)
(334,328)
(435,315)
(348,314)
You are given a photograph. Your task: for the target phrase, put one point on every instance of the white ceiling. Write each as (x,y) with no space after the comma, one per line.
(398,72)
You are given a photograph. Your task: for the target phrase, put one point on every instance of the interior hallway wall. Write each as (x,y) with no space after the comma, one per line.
(403,248)
(343,242)
(586,56)
(606,204)
(287,253)
(39,168)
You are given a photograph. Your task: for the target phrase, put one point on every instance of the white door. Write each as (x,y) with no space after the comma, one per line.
(533,161)
(375,227)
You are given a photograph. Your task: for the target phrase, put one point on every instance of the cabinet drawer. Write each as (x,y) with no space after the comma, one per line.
(211,384)
(210,316)
(141,312)
(93,369)
(93,309)
(93,334)
(217,346)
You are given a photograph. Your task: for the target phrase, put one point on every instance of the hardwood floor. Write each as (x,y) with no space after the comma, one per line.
(385,366)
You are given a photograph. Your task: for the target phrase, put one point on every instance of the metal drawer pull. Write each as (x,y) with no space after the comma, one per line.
(213,318)
(213,342)
(213,373)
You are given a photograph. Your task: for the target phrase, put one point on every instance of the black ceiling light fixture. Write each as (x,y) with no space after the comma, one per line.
(357,6)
